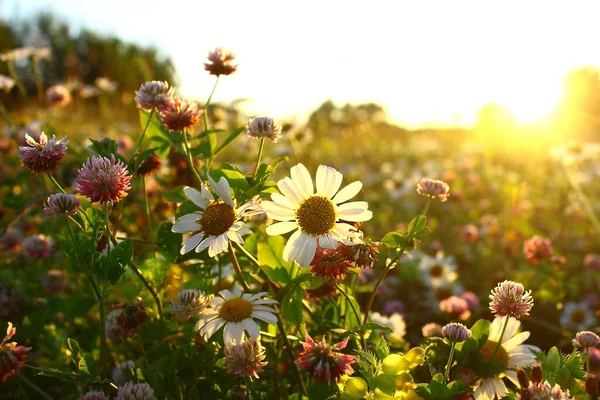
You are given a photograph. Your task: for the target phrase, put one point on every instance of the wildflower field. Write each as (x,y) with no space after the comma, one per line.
(155,247)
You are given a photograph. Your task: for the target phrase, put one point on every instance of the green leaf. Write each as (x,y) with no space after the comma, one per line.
(234,176)
(112,269)
(291,305)
(484,367)
(394,240)
(229,139)
(270,256)
(175,195)
(346,310)
(206,148)
(160,139)
(480,332)
(464,349)
(437,386)
(417,227)
(457,388)
(74,347)
(139,160)
(169,243)
(552,361)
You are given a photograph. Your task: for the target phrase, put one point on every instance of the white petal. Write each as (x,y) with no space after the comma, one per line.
(223,190)
(218,246)
(265,316)
(205,243)
(328,181)
(282,200)
(515,340)
(289,246)
(262,308)
(244,207)
(345,230)
(192,242)
(187,223)
(297,246)
(196,197)
(227,295)
(511,329)
(302,179)
(281,228)
(356,206)
(251,327)
(266,301)
(210,328)
(228,333)
(355,211)
(328,242)
(206,193)
(234,236)
(512,376)
(308,251)
(238,331)
(347,192)
(276,211)
(287,187)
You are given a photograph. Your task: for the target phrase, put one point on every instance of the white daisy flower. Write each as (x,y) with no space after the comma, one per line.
(314,216)
(439,270)
(217,222)
(236,311)
(512,354)
(578,316)
(395,322)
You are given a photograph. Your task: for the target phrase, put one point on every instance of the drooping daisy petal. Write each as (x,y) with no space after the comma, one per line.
(347,192)
(191,243)
(195,196)
(290,245)
(265,316)
(251,327)
(276,211)
(307,252)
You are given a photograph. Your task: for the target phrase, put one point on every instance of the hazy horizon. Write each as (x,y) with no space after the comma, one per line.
(427,63)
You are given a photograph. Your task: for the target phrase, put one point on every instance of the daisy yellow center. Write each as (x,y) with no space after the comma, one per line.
(217,219)
(235,310)
(316,215)
(577,316)
(436,270)
(488,349)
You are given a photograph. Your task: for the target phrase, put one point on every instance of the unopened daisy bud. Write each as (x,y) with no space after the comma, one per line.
(537,249)
(537,374)
(12,356)
(591,385)
(434,189)
(95,395)
(180,115)
(522,378)
(61,204)
(42,156)
(104,180)
(261,127)
(246,359)
(586,339)
(510,298)
(6,83)
(135,391)
(456,332)
(37,247)
(153,95)
(149,166)
(191,303)
(58,95)
(220,62)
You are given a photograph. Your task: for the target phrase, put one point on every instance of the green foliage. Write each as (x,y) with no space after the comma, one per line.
(161,140)
(438,390)
(110,268)
(563,369)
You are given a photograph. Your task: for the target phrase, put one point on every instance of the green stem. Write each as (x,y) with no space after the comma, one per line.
(236,267)
(153,292)
(450,361)
(260,152)
(429,200)
(587,360)
(501,336)
(35,387)
(147,206)
(207,103)
(377,284)
(143,351)
(107,233)
(139,142)
(38,79)
(56,184)
(76,223)
(356,315)
(248,254)
(13,74)
(290,352)
(188,153)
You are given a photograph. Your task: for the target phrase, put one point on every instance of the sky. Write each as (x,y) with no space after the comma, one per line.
(427,62)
